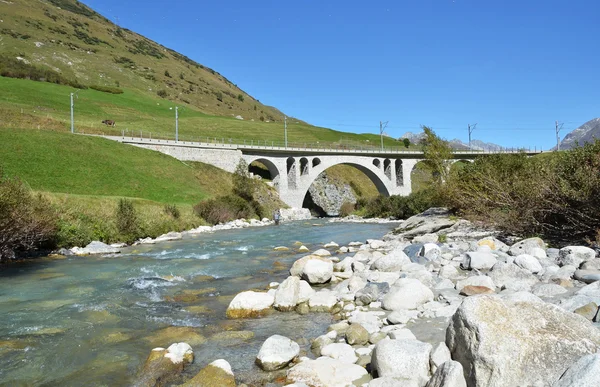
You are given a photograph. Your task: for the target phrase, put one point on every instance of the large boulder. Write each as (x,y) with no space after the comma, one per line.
(427,222)
(250,304)
(373,291)
(276,353)
(587,276)
(314,269)
(391,262)
(585,372)
(407,293)
(218,373)
(480,260)
(322,301)
(449,374)
(357,335)
(164,365)
(476,280)
(529,263)
(531,246)
(340,351)
(327,372)
(575,255)
(286,295)
(511,276)
(408,359)
(95,247)
(488,334)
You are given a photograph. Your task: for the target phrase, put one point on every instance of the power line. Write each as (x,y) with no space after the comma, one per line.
(558,128)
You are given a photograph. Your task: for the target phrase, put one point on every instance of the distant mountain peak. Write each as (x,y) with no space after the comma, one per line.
(585,133)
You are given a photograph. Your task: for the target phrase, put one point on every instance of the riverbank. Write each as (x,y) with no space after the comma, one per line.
(413,309)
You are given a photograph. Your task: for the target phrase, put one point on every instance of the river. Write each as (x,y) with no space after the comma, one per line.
(93,320)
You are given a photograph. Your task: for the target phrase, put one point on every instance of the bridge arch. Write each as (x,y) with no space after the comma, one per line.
(376,175)
(273,170)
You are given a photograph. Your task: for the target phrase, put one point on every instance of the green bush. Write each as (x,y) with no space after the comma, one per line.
(162,93)
(224,209)
(556,196)
(26,220)
(240,97)
(399,207)
(127,221)
(172,210)
(243,185)
(107,89)
(14,68)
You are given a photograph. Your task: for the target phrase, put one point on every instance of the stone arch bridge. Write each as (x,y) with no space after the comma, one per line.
(293,170)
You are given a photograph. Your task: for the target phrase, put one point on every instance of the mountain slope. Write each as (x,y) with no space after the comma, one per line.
(70,38)
(585,133)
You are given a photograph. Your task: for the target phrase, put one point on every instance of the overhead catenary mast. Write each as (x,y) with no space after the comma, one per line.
(558,127)
(471,129)
(382,126)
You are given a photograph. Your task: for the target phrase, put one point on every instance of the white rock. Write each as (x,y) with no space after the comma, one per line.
(304,291)
(402,333)
(548,290)
(402,316)
(487,334)
(407,293)
(531,246)
(178,352)
(330,245)
(575,255)
(287,294)
(479,260)
(529,263)
(95,247)
(378,276)
(376,243)
(322,253)
(402,358)
(449,374)
(171,236)
(439,355)
(511,276)
(449,272)
(276,353)
(222,364)
(326,372)
(340,351)
(249,304)
(322,301)
(391,262)
(444,284)
(390,381)
(369,320)
(585,372)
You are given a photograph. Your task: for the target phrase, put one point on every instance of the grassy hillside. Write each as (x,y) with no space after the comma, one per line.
(30,104)
(82,165)
(70,38)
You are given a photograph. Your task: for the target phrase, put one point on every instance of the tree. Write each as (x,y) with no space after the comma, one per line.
(406,142)
(243,185)
(437,154)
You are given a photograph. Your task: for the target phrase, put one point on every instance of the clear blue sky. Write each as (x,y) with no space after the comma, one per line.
(512,66)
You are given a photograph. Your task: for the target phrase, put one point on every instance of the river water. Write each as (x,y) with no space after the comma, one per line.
(93,320)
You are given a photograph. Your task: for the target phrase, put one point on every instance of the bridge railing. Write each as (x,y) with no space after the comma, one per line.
(260,144)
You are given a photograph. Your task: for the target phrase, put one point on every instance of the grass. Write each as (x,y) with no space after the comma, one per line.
(30,104)
(80,165)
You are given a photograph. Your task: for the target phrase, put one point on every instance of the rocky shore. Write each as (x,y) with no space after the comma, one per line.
(438,302)
(97,247)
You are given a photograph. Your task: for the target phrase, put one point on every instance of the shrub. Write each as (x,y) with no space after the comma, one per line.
(224,209)
(556,196)
(13,68)
(26,220)
(219,96)
(167,74)
(127,220)
(399,207)
(162,93)
(243,185)
(240,97)
(172,210)
(406,142)
(346,209)
(107,89)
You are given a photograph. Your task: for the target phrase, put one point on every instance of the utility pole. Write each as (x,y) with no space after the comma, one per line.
(285,130)
(72,124)
(176,124)
(471,129)
(382,126)
(558,126)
